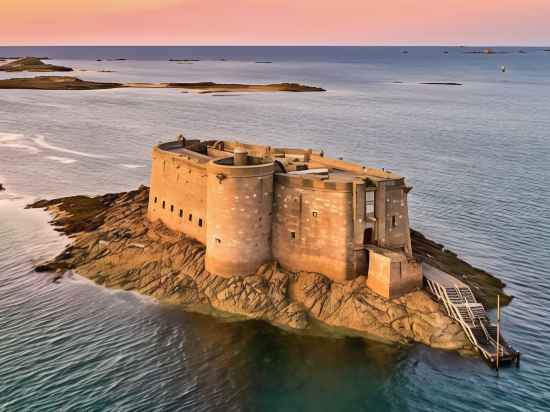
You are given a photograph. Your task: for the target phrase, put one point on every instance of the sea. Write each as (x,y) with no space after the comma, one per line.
(476,154)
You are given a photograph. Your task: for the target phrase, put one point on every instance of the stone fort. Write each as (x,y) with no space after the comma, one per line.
(252,204)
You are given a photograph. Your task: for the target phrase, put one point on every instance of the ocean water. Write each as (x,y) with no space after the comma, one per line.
(478,156)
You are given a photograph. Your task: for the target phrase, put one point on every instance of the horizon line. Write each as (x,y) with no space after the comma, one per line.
(277,45)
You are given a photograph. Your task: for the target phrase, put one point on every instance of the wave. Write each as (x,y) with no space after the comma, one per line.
(41,141)
(74,277)
(131,166)
(9,139)
(64,160)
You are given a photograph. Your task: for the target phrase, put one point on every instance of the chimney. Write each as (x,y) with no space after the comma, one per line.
(240,156)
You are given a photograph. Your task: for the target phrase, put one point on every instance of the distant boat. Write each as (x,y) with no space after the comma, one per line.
(488,51)
(503,69)
(405,52)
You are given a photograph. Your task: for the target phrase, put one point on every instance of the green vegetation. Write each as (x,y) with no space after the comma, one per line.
(485,286)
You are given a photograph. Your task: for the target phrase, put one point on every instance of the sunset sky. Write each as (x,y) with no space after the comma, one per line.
(354,22)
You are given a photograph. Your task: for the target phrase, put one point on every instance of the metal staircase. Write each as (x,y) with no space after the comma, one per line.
(461,305)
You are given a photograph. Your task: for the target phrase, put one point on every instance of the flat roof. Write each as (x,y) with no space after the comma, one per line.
(294,159)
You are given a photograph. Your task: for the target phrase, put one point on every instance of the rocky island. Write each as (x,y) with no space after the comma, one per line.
(74,83)
(113,244)
(211,87)
(55,83)
(442,83)
(155,241)
(32,64)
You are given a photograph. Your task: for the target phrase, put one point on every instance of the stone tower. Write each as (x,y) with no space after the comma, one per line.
(240,200)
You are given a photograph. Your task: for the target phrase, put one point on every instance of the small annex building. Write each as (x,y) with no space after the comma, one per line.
(252,204)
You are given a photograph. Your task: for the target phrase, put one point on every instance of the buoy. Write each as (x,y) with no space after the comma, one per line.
(503,69)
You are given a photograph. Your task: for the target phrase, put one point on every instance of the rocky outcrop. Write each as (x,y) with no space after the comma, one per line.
(32,64)
(114,244)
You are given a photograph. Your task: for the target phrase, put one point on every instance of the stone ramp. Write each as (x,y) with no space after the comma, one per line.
(461,305)
(442,278)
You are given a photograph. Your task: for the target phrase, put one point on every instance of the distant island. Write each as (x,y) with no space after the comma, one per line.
(55,83)
(32,64)
(184,60)
(74,83)
(443,83)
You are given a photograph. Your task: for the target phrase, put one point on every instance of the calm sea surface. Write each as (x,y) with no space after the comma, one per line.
(478,156)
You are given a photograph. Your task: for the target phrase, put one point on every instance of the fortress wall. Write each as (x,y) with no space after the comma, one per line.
(178,192)
(217,153)
(391,274)
(263,150)
(252,149)
(313,227)
(240,200)
(393,216)
(354,168)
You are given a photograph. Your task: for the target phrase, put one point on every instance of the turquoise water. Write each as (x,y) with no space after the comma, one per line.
(478,156)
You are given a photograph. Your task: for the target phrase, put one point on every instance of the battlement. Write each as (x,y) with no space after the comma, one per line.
(251,204)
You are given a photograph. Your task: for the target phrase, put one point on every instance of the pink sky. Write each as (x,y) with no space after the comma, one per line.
(356,22)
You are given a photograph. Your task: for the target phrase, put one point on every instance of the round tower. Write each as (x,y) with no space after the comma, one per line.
(239,202)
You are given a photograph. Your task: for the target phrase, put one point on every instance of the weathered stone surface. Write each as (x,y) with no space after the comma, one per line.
(116,246)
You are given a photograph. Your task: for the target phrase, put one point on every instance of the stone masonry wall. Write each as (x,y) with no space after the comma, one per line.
(240,201)
(312,231)
(178,194)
